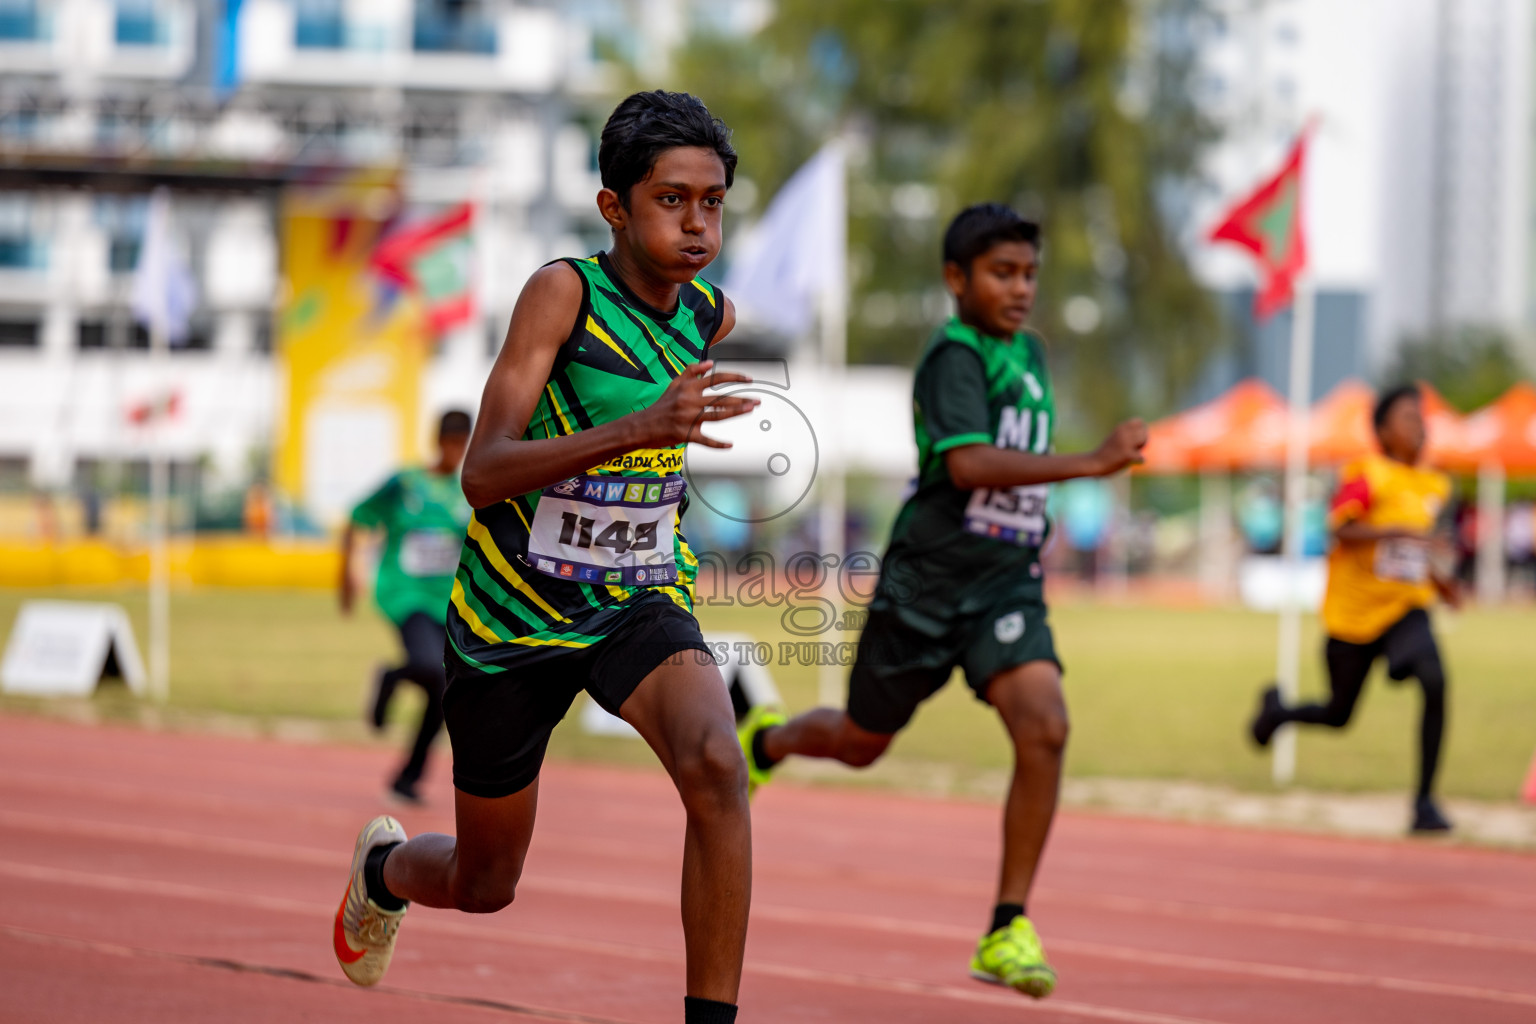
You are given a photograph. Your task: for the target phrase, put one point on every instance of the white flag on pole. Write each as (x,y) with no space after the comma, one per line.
(794,255)
(164,291)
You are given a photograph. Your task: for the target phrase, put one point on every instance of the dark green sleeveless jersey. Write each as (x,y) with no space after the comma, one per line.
(956,551)
(621,355)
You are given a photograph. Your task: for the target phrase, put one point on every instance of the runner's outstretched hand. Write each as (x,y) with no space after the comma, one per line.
(680,413)
(1122,447)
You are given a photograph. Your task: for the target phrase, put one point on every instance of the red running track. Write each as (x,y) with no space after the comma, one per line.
(176,878)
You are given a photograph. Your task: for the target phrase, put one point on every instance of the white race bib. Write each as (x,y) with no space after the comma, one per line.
(617,530)
(430,552)
(1402,560)
(1014,515)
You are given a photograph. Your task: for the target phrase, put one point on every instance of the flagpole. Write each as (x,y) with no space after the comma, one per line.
(834,496)
(159,556)
(1288,659)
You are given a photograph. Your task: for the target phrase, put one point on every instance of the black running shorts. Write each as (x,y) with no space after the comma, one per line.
(1405,644)
(500,722)
(900,664)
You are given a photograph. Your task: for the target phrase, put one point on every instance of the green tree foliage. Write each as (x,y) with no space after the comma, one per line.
(1469,367)
(1078,112)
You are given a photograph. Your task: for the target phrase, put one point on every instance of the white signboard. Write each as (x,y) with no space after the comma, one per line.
(749,685)
(1265,586)
(63,648)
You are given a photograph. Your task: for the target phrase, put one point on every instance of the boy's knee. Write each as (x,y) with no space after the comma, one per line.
(1043,727)
(1431,676)
(1337,716)
(861,751)
(485,894)
(712,774)
(1049,729)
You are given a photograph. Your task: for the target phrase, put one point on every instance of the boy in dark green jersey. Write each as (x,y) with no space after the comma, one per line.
(575,574)
(961,585)
(422,514)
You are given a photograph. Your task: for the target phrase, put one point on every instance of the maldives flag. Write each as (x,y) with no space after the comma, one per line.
(435,260)
(1268,224)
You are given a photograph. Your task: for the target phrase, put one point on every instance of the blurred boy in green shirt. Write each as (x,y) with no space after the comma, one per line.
(422,515)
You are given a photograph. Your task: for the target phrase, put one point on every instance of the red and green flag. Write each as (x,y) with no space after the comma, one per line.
(1269,225)
(435,260)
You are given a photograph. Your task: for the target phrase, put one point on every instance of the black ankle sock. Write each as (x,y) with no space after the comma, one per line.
(373,879)
(1003,914)
(707,1011)
(760,756)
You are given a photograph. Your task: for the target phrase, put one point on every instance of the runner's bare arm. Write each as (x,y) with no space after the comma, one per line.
(346,593)
(500,464)
(1355,532)
(983,465)
(727,322)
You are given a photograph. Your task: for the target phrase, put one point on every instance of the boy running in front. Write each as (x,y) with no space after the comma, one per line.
(1381,582)
(961,585)
(575,574)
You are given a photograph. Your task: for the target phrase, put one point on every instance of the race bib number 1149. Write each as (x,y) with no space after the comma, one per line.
(608,529)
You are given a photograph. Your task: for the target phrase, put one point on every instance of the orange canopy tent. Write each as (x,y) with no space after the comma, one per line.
(1339,428)
(1244,427)
(1501,434)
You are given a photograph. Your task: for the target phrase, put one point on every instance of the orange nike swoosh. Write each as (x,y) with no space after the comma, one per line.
(344,951)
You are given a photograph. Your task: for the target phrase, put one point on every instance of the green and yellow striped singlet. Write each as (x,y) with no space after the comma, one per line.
(620,356)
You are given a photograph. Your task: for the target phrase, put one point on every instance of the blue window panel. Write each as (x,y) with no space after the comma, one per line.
(21,22)
(22,252)
(138,23)
(319,25)
(123,254)
(448,28)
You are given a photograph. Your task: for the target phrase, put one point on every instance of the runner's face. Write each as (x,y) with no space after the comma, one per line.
(1403,433)
(999,292)
(451,450)
(673,220)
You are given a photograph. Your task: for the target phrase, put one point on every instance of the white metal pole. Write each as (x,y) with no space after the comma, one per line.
(1490,533)
(1214,559)
(159,556)
(833,484)
(1288,660)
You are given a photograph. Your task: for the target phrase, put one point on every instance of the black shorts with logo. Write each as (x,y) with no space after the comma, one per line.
(500,722)
(904,660)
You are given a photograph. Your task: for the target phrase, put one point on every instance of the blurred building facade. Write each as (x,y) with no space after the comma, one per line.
(1421,205)
(225,103)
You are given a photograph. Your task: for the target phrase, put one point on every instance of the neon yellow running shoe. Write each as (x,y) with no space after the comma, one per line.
(1013,956)
(758,719)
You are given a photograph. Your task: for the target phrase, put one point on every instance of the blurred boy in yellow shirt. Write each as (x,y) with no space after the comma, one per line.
(1381,581)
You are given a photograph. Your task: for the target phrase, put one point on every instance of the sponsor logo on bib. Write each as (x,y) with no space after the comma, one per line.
(1009,628)
(567,569)
(566,488)
(546,565)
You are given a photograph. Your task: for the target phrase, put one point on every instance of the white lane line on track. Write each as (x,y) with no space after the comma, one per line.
(481,933)
(791,915)
(542,883)
(291,974)
(1246,878)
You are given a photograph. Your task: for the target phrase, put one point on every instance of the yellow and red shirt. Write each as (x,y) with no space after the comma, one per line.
(1372,585)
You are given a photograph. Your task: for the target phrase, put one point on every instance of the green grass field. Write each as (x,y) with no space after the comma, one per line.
(1154,692)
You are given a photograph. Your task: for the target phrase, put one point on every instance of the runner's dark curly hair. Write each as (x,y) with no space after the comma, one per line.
(647,124)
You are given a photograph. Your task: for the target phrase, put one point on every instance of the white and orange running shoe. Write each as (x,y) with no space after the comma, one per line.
(365,932)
